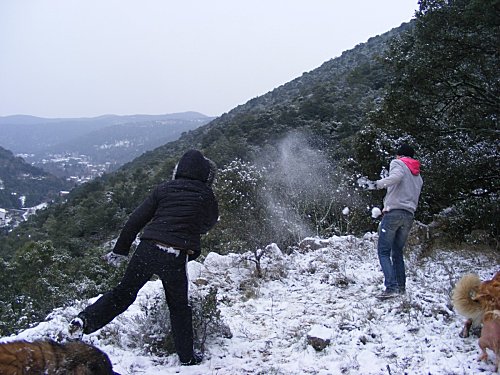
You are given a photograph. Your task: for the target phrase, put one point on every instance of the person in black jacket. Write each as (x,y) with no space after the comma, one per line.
(172,219)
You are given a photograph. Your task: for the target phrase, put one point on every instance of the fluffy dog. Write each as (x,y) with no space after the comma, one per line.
(50,357)
(479,302)
(472,298)
(490,336)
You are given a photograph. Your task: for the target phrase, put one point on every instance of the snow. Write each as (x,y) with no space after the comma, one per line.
(376,212)
(320,332)
(32,210)
(328,290)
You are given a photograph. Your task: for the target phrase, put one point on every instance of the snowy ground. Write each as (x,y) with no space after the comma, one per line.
(329,290)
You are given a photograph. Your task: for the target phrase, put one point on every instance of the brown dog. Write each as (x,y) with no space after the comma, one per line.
(472,298)
(490,336)
(50,357)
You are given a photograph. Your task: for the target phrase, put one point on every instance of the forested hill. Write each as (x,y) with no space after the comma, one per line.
(288,160)
(22,185)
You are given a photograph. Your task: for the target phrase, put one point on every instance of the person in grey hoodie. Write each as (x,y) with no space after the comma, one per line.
(403,185)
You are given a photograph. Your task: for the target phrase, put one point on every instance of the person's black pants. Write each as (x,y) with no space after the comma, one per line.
(147,261)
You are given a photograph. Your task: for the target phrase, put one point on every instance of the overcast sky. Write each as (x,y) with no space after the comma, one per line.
(86,58)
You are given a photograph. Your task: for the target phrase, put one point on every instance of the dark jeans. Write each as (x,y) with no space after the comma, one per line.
(393,232)
(147,261)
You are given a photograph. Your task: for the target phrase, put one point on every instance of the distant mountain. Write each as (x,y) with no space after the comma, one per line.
(30,134)
(69,146)
(23,185)
(121,143)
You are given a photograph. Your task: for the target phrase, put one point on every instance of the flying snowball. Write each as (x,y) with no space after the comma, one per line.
(345,211)
(376,212)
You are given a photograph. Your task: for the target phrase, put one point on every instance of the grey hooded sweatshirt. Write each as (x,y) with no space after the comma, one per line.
(403,185)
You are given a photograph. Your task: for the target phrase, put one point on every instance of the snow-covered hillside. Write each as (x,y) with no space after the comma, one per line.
(328,288)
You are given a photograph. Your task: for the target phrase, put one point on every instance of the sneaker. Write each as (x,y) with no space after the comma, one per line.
(75,329)
(387,295)
(196,360)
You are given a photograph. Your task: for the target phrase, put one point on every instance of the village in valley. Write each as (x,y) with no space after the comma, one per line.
(84,169)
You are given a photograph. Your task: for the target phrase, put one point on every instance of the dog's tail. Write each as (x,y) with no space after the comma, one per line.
(463,298)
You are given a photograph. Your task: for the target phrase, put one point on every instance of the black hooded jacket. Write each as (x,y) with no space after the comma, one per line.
(177,212)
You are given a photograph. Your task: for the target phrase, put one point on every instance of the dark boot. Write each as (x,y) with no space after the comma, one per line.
(196,360)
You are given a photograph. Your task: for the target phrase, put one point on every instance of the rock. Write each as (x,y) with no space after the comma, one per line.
(319,337)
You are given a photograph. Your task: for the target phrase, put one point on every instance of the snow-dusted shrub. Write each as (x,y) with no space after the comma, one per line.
(243,221)
(269,262)
(150,331)
(471,217)
(207,320)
